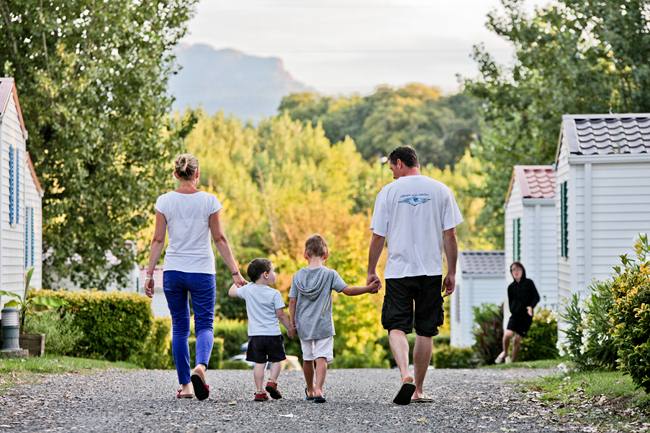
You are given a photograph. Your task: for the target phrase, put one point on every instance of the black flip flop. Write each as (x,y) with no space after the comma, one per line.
(307,397)
(201,389)
(319,399)
(405,393)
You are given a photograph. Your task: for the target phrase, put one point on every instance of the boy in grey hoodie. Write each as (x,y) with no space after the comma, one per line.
(310,307)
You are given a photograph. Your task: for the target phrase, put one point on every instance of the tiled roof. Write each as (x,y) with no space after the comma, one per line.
(536,181)
(607,134)
(482,262)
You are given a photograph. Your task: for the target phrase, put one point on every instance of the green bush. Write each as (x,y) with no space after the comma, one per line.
(61,334)
(572,316)
(216,356)
(233,332)
(541,340)
(454,357)
(488,332)
(155,353)
(114,325)
(630,313)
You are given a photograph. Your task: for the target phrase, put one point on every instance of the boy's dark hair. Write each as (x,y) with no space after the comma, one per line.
(406,154)
(316,246)
(257,267)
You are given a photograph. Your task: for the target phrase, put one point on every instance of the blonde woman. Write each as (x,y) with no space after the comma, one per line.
(190,217)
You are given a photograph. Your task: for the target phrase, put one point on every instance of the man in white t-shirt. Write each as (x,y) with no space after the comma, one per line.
(416,216)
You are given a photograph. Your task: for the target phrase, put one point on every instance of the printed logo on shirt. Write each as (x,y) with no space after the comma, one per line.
(414,199)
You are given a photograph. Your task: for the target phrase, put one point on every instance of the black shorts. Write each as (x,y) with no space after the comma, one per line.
(402,294)
(265,348)
(520,323)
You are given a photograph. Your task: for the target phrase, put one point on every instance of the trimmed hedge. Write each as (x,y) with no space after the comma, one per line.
(233,332)
(115,325)
(156,350)
(454,357)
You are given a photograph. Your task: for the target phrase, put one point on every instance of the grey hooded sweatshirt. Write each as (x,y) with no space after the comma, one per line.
(312,288)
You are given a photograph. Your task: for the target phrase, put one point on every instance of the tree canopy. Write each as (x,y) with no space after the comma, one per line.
(571,57)
(92,80)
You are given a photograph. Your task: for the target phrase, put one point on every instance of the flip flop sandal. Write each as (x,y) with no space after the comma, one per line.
(319,399)
(179,394)
(307,397)
(405,393)
(201,389)
(423,399)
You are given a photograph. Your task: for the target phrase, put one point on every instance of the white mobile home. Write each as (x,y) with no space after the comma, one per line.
(20,198)
(479,281)
(530,232)
(603,194)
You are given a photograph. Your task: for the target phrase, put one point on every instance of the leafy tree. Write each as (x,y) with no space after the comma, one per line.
(440,128)
(572,56)
(92,81)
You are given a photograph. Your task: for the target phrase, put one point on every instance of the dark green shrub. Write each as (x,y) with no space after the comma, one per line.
(590,341)
(156,351)
(61,334)
(572,316)
(631,313)
(488,332)
(454,357)
(233,332)
(112,324)
(541,340)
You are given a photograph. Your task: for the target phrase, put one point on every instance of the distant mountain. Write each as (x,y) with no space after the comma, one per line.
(247,86)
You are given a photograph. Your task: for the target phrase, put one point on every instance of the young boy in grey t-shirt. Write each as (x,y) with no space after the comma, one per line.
(310,308)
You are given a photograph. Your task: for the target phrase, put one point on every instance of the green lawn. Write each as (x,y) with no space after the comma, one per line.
(611,384)
(28,370)
(543,363)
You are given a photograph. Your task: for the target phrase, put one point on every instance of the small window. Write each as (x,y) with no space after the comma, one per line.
(516,239)
(564,220)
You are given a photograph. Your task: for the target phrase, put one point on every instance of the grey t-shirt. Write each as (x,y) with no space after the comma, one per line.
(313,290)
(261,305)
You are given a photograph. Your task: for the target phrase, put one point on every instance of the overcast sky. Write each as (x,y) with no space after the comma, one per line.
(343,46)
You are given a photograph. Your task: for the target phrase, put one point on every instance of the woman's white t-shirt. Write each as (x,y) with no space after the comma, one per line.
(187,216)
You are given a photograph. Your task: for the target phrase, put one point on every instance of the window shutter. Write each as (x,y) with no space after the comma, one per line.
(26,247)
(31,234)
(17,186)
(11,185)
(564,217)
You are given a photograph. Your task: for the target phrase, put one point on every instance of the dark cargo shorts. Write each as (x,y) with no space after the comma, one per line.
(413,302)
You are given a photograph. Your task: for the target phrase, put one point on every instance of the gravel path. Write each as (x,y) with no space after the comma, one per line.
(481,400)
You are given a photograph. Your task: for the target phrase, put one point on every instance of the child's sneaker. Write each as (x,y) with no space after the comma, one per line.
(261,396)
(272,389)
(508,360)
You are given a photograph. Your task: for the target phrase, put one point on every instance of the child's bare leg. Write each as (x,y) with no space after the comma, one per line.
(506,340)
(308,371)
(258,375)
(321,372)
(275,371)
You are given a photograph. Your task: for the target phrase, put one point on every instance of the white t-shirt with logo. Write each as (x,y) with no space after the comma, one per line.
(411,213)
(187,215)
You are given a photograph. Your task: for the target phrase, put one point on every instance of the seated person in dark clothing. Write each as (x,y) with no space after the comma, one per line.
(522,298)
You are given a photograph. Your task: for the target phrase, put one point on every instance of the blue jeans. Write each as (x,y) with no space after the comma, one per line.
(202,288)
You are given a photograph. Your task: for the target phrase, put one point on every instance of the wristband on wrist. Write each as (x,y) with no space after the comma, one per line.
(234,273)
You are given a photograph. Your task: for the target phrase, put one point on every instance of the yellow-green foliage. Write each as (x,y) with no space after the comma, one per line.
(281,181)
(631,313)
(115,325)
